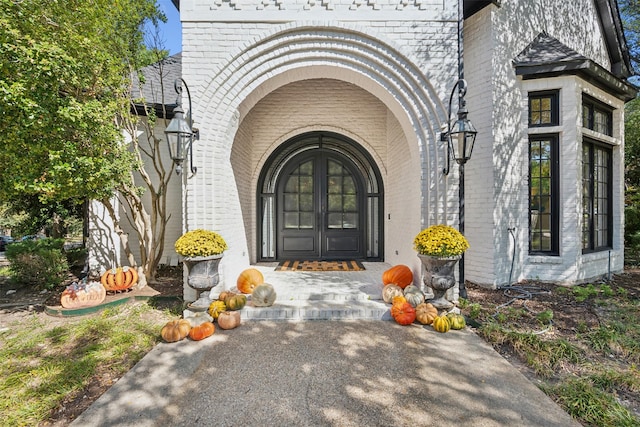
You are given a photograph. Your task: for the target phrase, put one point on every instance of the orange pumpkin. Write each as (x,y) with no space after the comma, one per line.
(425,313)
(403,313)
(400,275)
(398,299)
(229,319)
(249,279)
(202,331)
(175,330)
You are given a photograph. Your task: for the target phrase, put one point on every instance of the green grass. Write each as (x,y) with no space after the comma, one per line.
(582,399)
(41,366)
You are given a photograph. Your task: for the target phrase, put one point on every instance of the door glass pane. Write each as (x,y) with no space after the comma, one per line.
(290,202)
(306,202)
(306,220)
(342,198)
(350,221)
(290,220)
(297,198)
(335,202)
(348,186)
(334,185)
(350,203)
(334,220)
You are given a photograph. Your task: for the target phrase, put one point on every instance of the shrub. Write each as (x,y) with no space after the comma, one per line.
(76,256)
(41,263)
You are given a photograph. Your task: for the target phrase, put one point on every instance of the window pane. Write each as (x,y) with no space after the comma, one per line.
(542,181)
(596,197)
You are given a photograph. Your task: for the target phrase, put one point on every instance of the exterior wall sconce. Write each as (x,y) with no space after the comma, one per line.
(461,134)
(460,137)
(180,132)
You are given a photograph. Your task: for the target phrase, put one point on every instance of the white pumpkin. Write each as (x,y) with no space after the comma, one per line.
(390,291)
(263,295)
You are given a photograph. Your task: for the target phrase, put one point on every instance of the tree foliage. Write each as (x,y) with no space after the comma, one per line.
(65,100)
(630,12)
(63,78)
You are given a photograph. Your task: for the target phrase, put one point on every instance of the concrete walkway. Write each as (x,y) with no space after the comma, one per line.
(291,371)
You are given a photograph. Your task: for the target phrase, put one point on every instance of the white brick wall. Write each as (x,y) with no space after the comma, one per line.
(497,174)
(104,244)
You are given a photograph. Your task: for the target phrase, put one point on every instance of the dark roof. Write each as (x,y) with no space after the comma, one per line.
(158,88)
(614,38)
(548,57)
(472,6)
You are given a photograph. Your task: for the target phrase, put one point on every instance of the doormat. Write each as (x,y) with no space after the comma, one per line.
(320,266)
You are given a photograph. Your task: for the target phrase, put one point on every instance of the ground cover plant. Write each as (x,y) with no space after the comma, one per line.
(580,345)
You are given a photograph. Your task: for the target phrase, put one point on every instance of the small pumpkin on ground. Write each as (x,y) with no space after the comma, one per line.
(403,313)
(215,308)
(400,275)
(202,331)
(229,319)
(175,330)
(398,299)
(263,295)
(441,324)
(199,318)
(249,279)
(414,295)
(425,313)
(390,291)
(457,321)
(235,302)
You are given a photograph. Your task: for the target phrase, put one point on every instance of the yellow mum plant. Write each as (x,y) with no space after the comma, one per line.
(440,240)
(200,242)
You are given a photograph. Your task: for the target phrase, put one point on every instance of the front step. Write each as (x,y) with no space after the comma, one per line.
(349,309)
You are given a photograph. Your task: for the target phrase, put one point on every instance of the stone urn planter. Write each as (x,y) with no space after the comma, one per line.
(201,251)
(439,276)
(202,275)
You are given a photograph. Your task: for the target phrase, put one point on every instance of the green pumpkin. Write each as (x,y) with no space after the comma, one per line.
(235,302)
(414,295)
(441,324)
(457,321)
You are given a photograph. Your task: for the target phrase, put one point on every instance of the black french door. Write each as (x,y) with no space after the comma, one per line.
(320,208)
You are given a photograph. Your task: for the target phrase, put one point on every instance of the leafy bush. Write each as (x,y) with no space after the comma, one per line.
(39,262)
(76,256)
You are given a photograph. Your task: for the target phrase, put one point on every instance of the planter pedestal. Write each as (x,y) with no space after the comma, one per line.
(439,276)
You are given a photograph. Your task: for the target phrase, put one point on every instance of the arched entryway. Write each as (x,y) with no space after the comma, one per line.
(320,198)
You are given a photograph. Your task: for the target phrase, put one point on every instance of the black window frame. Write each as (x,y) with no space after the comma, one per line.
(554,97)
(590,107)
(554,186)
(591,219)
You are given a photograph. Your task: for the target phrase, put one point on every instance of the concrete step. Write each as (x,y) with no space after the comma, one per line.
(351,309)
